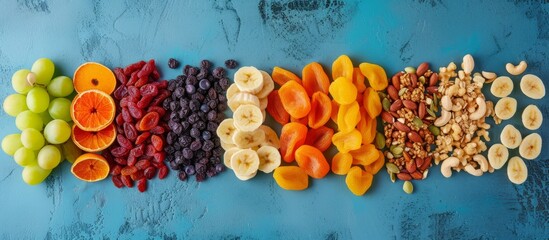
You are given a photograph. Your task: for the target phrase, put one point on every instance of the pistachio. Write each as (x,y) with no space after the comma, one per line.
(430,112)
(397,150)
(410,70)
(434,130)
(408,187)
(386,104)
(380,140)
(393,177)
(392,168)
(418,122)
(402,91)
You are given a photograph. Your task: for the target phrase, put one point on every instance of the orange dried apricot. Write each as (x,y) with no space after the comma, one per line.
(292,136)
(275,108)
(335,111)
(321,110)
(358,80)
(315,79)
(358,181)
(365,155)
(377,78)
(282,76)
(341,163)
(291,178)
(374,167)
(312,161)
(320,138)
(295,100)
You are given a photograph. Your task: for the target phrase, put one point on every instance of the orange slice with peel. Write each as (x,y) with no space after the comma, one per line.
(90,167)
(92,110)
(92,75)
(93,141)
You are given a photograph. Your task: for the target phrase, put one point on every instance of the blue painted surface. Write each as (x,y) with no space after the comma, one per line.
(392,33)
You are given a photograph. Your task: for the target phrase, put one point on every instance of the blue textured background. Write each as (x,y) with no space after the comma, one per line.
(267,33)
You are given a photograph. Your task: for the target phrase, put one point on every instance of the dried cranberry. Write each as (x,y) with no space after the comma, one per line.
(149,121)
(124,142)
(120,152)
(157,142)
(149,90)
(142,184)
(155,74)
(162,172)
(135,111)
(133,79)
(128,170)
(130,131)
(158,130)
(137,152)
(149,172)
(121,161)
(127,180)
(117,181)
(149,150)
(157,109)
(120,92)
(159,157)
(133,67)
(145,101)
(132,159)
(137,175)
(126,115)
(119,120)
(147,69)
(142,137)
(141,82)
(120,76)
(142,164)
(116,170)
(161,84)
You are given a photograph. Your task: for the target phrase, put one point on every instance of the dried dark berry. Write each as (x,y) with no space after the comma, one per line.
(192,71)
(202,74)
(179,92)
(185,141)
(205,64)
(173,64)
(190,170)
(196,145)
(224,83)
(231,64)
(191,80)
(204,84)
(182,176)
(207,146)
(190,89)
(204,107)
(218,72)
(200,177)
(187,153)
(212,115)
(206,135)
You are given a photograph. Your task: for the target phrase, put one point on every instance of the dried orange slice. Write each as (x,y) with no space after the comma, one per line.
(92,75)
(93,141)
(92,110)
(90,167)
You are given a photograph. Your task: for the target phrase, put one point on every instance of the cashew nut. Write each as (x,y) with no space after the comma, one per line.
(446,103)
(516,70)
(481,160)
(447,165)
(479,113)
(489,75)
(443,119)
(471,170)
(468,64)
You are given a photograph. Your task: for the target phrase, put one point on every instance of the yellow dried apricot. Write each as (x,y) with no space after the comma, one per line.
(375,74)
(341,163)
(343,91)
(291,178)
(347,141)
(358,181)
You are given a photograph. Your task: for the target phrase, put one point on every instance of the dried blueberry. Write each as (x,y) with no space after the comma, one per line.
(185,140)
(187,153)
(192,71)
(212,115)
(200,177)
(196,145)
(190,170)
(204,84)
(173,64)
(190,89)
(204,107)
(231,64)
(202,74)
(208,145)
(219,167)
(205,64)
(182,175)
(195,133)
(218,72)
(206,135)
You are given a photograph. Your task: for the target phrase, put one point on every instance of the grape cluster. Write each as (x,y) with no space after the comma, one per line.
(44,140)
(195,110)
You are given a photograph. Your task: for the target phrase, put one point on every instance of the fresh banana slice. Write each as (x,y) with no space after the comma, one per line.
(247,117)
(532,117)
(271,139)
(251,139)
(245,162)
(248,79)
(263,103)
(227,146)
(510,137)
(225,130)
(517,172)
(231,91)
(228,154)
(269,158)
(268,85)
(498,155)
(530,148)
(245,177)
(505,108)
(242,98)
(532,86)
(502,87)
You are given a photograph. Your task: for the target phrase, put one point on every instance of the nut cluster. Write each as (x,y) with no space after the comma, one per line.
(462,120)
(408,115)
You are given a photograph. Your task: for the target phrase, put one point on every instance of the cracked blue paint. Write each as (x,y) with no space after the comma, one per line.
(288,34)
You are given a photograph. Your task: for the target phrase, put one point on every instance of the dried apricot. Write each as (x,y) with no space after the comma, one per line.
(291,178)
(321,110)
(292,137)
(348,117)
(343,91)
(374,167)
(341,163)
(320,138)
(315,79)
(276,109)
(347,141)
(295,100)
(312,161)
(342,67)
(282,76)
(358,181)
(375,74)
(372,102)
(365,155)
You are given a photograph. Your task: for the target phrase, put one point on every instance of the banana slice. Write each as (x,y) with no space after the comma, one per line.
(532,117)
(517,172)
(248,79)
(498,155)
(247,117)
(227,156)
(532,86)
(271,139)
(251,139)
(225,130)
(510,137)
(245,162)
(242,98)
(231,91)
(227,146)
(268,85)
(245,177)
(502,87)
(269,158)
(263,103)
(505,108)
(530,148)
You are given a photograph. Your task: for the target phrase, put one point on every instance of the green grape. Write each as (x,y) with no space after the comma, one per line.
(57,131)
(15,104)
(28,119)
(32,139)
(45,116)
(34,174)
(38,99)
(43,68)
(19,81)
(11,143)
(24,157)
(49,157)
(60,86)
(60,108)
(71,151)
